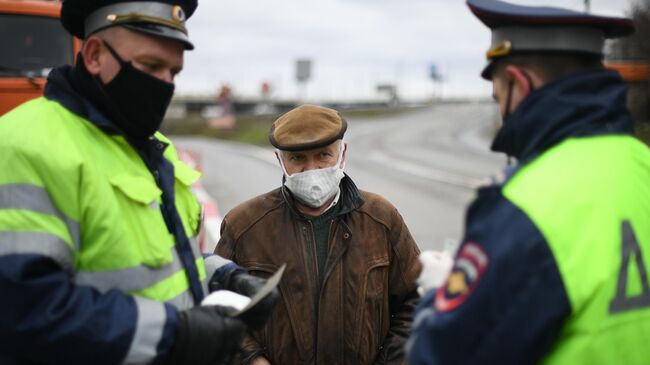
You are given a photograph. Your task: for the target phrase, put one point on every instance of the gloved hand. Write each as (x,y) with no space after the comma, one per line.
(436,266)
(248,285)
(206,336)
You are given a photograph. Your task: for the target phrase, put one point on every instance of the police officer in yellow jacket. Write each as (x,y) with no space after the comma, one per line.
(99,262)
(554,264)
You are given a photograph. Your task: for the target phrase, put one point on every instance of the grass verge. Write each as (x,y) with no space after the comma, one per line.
(247,129)
(254,129)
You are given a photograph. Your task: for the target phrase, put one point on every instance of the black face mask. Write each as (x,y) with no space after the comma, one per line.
(497,143)
(506,114)
(138,98)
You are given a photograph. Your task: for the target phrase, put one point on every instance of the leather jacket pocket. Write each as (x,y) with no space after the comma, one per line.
(379,329)
(263,336)
(373,309)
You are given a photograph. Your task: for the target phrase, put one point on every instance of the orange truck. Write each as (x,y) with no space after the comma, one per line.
(632,71)
(33,42)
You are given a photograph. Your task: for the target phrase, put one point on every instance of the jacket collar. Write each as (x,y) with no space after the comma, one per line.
(584,104)
(349,201)
(68,87)
(75,89)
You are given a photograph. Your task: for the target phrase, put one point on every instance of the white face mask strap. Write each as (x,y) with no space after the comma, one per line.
(281,158)
(340,159)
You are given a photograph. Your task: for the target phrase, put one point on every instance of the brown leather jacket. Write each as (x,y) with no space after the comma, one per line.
(362,313)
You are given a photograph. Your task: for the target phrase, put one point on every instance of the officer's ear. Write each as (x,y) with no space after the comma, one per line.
(91,52)
(521,78)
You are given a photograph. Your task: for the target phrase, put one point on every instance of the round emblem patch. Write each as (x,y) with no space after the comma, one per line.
(178,14)
(468,269)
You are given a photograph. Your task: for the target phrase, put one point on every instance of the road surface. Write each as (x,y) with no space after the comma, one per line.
(427,163)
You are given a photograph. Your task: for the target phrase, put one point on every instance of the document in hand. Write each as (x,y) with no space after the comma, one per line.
(241,303)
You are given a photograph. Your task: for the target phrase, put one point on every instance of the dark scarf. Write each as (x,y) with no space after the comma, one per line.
(73,88)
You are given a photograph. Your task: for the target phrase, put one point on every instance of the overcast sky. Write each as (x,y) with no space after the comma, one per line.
(353,44)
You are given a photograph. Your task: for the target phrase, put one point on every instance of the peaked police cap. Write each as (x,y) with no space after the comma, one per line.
(163,18)
(518,29)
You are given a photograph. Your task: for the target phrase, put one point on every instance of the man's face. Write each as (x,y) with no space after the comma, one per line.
(159,57)
(319,158)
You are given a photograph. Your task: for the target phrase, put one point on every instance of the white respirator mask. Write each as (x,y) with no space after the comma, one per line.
(315,187)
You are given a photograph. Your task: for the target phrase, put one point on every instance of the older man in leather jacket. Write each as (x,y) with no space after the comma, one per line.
(349,289)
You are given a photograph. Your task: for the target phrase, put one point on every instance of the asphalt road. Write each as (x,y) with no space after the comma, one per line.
(427,163)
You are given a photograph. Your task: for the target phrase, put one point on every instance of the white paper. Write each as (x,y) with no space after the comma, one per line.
(436,266)
(227,298)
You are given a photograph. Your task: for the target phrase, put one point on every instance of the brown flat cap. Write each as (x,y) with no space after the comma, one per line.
(307,127)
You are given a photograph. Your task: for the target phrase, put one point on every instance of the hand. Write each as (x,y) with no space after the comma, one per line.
(436,266)
(260,360)
(206,336)
(249,285)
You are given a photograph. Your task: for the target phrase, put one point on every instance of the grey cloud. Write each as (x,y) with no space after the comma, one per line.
(354,44)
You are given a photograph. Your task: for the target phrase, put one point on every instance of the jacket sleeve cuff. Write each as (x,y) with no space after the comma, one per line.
(154,331)
(215,264)
(222,274)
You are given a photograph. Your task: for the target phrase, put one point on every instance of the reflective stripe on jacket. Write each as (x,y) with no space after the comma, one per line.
(80,227)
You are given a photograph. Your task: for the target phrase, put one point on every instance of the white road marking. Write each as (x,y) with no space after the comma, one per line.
(428,173)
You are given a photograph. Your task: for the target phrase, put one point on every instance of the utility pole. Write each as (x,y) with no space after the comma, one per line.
(587,6)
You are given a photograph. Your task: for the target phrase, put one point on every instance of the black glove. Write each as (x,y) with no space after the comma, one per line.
(242,283)
(206,336)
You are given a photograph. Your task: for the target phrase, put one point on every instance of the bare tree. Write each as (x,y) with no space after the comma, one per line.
(636,47)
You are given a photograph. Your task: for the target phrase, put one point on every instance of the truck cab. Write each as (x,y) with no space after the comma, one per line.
(33,42)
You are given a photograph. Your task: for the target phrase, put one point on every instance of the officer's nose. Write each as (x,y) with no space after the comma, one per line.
(167,76)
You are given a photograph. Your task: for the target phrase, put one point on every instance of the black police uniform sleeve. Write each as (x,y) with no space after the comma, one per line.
(46,319)
(513,311)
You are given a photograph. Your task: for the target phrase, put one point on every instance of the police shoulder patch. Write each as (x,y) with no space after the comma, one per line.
(470,265)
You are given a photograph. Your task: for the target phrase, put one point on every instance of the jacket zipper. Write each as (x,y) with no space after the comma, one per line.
(316,296)
(314,255)
(320,290)
(330,238)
